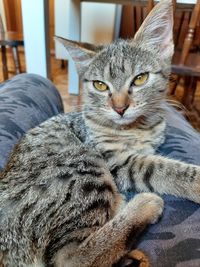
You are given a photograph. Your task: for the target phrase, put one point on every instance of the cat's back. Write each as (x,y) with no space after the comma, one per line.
(52,185)
(52,139)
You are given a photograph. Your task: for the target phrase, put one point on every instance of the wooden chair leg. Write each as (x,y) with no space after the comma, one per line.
(190,85)
(175,84)
(62,65)
(194,88)
(4,62)
(16,59)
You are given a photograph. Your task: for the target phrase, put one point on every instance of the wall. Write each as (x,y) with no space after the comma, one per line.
(2,12)
(97,23)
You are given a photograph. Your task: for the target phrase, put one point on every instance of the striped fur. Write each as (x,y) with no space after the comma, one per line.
(60,203)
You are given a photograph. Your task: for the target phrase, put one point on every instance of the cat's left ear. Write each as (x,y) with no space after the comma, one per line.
(81,53)
(156,32)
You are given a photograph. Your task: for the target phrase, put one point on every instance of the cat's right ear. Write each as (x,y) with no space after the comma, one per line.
(81,53)
(156,32)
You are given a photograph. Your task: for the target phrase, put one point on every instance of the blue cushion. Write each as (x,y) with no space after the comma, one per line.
(175,240)
(25,101)
(182,140)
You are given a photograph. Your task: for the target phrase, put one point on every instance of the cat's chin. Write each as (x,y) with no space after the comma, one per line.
(124,121)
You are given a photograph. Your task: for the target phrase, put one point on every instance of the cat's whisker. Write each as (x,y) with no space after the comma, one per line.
(177,104)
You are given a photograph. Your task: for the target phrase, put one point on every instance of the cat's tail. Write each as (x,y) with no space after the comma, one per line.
(115,239)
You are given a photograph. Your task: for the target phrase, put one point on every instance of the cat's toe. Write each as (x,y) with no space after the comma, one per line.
(135,258)
(151,206)
(156,206)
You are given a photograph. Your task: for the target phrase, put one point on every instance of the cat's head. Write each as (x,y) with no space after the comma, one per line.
(127,79)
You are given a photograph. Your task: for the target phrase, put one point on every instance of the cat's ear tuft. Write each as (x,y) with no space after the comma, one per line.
(156,32)
(81,53)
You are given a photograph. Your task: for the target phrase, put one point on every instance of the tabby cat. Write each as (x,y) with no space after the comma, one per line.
(60,203)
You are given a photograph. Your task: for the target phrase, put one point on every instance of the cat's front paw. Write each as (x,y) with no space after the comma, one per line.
(151,206)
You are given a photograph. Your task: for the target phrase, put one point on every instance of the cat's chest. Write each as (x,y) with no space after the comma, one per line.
(120,144)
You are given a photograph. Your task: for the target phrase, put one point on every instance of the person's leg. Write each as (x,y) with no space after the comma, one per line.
(26,100)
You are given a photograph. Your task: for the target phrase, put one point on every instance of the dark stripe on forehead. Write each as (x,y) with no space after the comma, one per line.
(118,77)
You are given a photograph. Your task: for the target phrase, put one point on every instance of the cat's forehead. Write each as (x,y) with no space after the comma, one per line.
(120,60)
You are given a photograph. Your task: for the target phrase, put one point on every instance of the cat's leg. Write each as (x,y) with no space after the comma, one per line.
(116,238)
(134,258)
(159,174)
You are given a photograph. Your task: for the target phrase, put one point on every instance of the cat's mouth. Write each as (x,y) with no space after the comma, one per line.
(123,121)
(129,116)
(126,119)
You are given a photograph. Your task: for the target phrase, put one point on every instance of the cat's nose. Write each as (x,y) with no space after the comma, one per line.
(120,110)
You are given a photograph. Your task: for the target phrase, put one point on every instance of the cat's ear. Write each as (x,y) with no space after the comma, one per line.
(156,32)
(81,53)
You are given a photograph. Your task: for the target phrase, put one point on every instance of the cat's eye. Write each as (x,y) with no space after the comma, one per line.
(100,86)
(140,79)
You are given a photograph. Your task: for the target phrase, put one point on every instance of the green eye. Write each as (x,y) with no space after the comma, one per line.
(140,79)
(100,86)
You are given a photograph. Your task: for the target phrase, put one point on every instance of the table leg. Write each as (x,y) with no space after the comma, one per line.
(4,62)
(117,24)
(16,59)
(35,16)
(74,23)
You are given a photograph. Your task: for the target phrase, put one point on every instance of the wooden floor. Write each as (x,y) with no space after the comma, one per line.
(72,102)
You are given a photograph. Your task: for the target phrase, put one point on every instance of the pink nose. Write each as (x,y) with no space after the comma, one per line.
(121,110)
